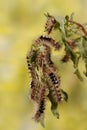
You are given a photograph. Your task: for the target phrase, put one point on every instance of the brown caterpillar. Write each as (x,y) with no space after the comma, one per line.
(48,59)
(39,115)
(50,23)
(34,94)
(46,40)
(56,91)
(53,82)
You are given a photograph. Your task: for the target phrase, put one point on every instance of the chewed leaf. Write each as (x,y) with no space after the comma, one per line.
(65,95)
(61,20)
(85,53)
(57,26)
(71,16)
(78,74)
(72,54)
(83,50)
(85,73)
(54,106)
(54,110)
(67,17)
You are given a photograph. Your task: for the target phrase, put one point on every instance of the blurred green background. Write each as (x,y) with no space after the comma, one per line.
(21,21)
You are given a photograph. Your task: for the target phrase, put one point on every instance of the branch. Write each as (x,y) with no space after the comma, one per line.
(79,25)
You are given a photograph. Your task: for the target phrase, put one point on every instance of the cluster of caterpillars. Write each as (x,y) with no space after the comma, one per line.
(45,81)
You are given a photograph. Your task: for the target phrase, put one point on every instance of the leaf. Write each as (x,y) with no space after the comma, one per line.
(67,17)
(72,54)
(75,56)
(65,95)
(78,74)
(54,105)
(61,20)
(54,110)
(71,16)
(42,123)
(83,50)
(57,26)
(85,73)
(85,53)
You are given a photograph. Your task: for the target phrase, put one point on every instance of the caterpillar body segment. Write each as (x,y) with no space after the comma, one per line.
(46,40)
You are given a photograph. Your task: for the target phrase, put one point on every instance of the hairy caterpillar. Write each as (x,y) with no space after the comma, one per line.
(35,91)
(53,81)
(39,115)
(50,23)
(46,40)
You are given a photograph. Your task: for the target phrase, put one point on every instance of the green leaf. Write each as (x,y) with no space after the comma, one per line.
(78,74)
(65,95)
(72,54)
(71,16)
(85,73)
(85,53)
(57,26)
(61,20)
(83,50)
(67,17)
(42,123)
(54,106)
(54,109)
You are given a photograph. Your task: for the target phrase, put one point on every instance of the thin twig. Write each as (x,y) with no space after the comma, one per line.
(80,25)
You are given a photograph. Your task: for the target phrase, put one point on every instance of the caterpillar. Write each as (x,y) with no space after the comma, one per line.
(35,94)
(39,115)
(53,82)
(55,87)
(48,59)
(39,60)
(46,40)
(50,23)
(49,68)
(53,78)
(56,90)
(44,58)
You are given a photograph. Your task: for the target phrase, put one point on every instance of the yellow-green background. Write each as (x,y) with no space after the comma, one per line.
(21,21)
